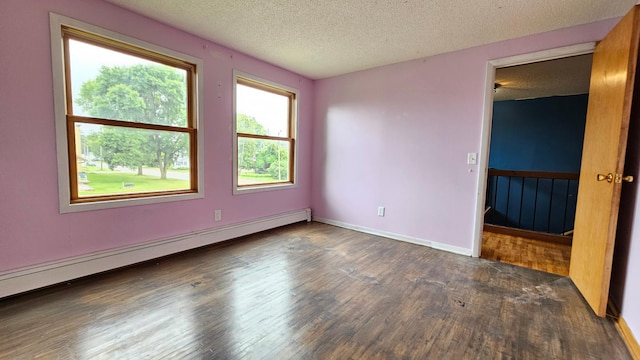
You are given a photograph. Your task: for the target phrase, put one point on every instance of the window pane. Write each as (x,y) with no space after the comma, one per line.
(114,160)
(262,161)
(261,112)
(112,85)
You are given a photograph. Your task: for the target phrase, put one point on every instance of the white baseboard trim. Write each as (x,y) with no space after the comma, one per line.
(394,236)
(33,277)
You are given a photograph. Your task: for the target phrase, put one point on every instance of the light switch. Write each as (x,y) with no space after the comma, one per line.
(472,158)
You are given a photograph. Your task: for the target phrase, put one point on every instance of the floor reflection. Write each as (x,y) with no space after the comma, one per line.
(261,307)
(155,328)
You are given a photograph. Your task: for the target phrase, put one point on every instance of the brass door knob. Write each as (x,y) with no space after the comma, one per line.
(608,177)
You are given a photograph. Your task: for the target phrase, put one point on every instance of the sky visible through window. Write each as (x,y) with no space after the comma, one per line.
(270,110)
(86,61)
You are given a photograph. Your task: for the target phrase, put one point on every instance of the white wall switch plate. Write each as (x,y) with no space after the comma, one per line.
(472,158)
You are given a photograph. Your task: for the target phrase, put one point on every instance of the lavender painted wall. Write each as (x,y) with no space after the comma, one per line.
(628,296)
(32,230)
(393,136)
(399,135)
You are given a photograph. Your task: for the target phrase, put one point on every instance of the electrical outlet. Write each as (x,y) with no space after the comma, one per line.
(380,210)
(218,215)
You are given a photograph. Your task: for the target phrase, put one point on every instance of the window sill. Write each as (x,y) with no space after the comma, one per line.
(65,207)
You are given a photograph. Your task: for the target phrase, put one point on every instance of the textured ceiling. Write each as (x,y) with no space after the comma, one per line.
(567,76)
(323,38)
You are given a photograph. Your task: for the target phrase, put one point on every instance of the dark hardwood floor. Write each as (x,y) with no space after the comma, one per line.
(309,291)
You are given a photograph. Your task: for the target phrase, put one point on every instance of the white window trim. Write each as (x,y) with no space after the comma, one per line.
(264,187)
(59,95)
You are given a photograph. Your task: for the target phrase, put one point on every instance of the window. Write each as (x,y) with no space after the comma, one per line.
(264,147)
(127,120)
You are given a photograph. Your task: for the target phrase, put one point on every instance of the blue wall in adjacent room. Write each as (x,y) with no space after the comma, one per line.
(543,134)
(538,135)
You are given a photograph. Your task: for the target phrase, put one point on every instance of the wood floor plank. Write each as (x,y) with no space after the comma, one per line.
(309,291)
(534,254)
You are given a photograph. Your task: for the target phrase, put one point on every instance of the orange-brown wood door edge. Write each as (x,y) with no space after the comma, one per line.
(608,115)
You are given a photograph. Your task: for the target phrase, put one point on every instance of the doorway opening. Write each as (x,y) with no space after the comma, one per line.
(535,113)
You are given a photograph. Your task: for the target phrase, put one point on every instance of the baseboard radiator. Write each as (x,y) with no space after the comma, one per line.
(37,276)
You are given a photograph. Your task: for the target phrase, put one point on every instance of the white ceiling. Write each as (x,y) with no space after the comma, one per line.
(324,38)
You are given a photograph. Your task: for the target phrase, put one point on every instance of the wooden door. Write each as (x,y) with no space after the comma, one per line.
(605,143)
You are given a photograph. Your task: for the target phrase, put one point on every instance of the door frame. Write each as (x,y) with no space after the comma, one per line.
(487,119)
